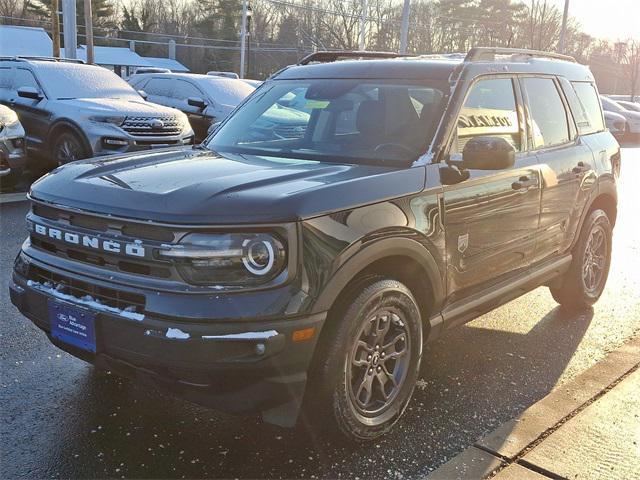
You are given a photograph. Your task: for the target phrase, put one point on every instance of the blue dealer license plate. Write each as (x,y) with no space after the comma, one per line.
(73,325)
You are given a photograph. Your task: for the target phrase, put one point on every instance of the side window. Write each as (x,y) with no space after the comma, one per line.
(489,110)
(185,90)
(24,78)
(588,96)
(577,108)
(159,86)
(6,74)
(548,115)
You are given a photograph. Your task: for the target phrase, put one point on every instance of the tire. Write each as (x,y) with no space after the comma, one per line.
(8,182)
(585,280)
(350,370)
(68,147)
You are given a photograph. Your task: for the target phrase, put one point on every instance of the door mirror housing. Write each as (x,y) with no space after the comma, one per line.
(197,102)
(143,94)
(29,92)
(487,153)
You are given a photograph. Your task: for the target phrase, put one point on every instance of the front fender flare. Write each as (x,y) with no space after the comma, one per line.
(378,250)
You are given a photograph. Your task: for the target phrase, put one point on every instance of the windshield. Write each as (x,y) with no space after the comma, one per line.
(226,91)
(68,80)
(341,120)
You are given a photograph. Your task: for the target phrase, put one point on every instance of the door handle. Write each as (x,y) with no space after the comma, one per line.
(524,183)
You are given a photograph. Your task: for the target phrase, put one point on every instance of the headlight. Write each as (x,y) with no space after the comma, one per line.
(114,119)
(227,259)
(10,119)
(184,121)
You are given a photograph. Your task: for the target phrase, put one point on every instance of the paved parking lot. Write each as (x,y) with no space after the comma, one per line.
(61,418)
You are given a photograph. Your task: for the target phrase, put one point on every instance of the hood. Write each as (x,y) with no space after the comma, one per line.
(194,186)
(116,106)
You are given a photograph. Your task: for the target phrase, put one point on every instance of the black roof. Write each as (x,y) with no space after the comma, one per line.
(479,61)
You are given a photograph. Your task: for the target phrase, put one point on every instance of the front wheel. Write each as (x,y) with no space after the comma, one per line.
(369,360)
(68,147)
(584,282)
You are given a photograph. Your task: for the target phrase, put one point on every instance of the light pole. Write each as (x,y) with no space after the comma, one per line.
(88,23)
(404,34)
(70,28)
(563,31)
(246,13)
(363,25)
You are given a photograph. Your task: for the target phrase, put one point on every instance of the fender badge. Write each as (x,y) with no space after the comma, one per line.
(463,242)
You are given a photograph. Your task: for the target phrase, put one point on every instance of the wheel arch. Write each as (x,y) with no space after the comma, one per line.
(67,125)
(605,198)
(403,259)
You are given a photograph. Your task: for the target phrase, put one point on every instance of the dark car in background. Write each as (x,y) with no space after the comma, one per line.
(71,111)
(12,147)
(205,99)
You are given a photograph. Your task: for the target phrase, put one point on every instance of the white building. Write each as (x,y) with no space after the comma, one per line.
(25,41)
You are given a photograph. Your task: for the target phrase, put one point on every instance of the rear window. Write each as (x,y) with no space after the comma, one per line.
(548,116)
(590,103)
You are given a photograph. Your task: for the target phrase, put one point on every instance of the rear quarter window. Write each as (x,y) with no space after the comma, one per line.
(586,94)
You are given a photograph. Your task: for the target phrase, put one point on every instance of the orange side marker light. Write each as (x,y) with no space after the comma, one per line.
(304,334)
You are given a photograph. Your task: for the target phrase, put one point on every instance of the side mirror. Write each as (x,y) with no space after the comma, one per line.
(487,153)
(197,102)
(143,94)
(29,92)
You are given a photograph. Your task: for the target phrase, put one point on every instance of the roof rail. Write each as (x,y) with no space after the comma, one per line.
(332,56)
(45,59)
(479,54)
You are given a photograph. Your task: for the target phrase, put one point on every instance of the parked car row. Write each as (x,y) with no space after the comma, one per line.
(623,117)
(72,111)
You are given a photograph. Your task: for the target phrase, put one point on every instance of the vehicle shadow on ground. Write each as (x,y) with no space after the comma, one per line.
(470,382)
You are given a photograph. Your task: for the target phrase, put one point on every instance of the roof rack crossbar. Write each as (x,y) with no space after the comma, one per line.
(479,54)
(332,56)
(17,58)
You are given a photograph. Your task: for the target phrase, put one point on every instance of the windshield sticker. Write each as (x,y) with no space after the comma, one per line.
(316,104)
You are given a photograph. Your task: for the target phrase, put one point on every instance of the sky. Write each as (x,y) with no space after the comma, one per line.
(610,19)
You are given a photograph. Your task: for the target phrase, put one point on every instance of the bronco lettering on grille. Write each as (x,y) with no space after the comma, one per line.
(133,249)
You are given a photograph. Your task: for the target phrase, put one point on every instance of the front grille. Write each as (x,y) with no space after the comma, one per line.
(100,224)
(163,126)
(79,289)
(290,131)
(152,236)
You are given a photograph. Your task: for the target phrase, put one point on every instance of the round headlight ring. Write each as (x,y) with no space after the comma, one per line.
(253,258)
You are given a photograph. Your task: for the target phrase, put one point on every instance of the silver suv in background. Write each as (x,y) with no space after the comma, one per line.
(71,110)
(12,151)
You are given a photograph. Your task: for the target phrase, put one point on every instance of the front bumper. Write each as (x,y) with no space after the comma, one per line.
(233,366)
(12,154)
(106,139)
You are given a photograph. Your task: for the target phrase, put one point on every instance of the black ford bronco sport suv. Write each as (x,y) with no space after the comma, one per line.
(255,271)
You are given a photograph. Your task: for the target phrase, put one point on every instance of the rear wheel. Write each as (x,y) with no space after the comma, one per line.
(368,363)
(68,147)
(584,282)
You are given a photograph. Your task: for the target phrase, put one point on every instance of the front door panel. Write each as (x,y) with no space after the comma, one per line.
(490,225)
